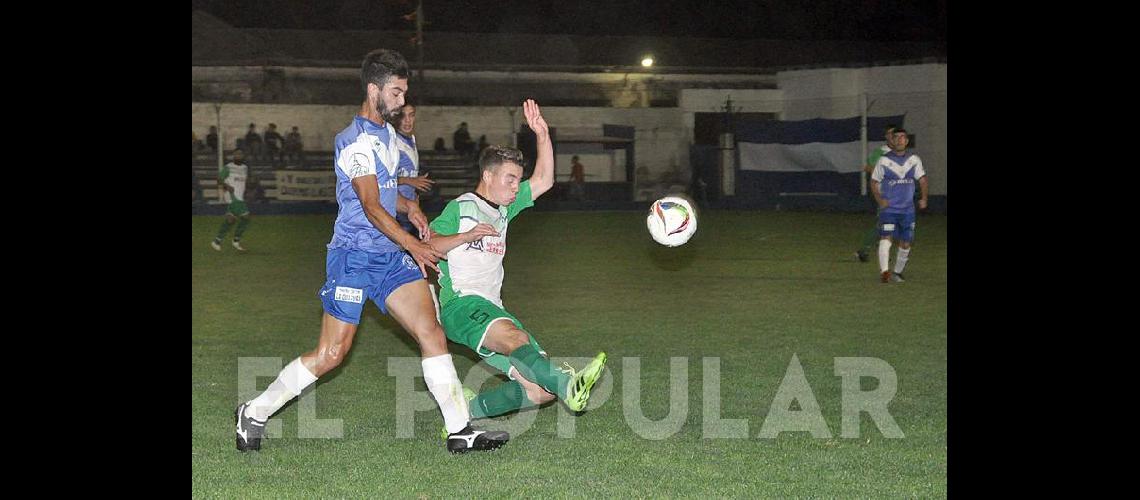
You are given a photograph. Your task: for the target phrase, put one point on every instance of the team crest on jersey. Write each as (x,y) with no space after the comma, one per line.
(357,165)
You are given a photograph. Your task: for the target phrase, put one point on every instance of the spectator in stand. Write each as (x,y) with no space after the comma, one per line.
(461,140)
(212,139)
(293,145)
(252,144)
(274,144)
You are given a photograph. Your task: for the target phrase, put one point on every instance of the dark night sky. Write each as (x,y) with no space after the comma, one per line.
(878,20)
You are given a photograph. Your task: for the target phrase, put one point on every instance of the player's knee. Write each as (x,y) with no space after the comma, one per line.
(515,338)
(331,356)
(429,334)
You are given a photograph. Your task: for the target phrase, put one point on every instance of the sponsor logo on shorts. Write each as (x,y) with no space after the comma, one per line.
(409,262)
(888,227)
(345,294)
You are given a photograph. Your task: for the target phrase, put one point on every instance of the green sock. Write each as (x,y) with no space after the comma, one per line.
(538,369)
(226,225)
(506,397)
(871,237)
(243,223)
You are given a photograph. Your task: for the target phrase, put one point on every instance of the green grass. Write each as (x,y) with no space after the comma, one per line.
(751,288)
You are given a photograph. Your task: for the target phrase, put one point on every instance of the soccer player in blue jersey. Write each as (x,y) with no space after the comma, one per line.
(409,180)
(371,257)
(892,183)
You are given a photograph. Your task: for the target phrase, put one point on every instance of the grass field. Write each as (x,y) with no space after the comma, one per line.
(751,288)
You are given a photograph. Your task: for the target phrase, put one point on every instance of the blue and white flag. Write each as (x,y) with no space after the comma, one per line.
(814,145)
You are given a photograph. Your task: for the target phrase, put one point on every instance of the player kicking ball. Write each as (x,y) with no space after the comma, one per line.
(472,231)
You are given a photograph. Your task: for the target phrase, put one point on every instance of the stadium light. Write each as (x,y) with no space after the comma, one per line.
(647,61)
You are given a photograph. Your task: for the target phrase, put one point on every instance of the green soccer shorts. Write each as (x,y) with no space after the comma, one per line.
(466,320)
(237,207)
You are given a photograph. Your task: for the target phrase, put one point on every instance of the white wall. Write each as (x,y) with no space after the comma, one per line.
(918,91)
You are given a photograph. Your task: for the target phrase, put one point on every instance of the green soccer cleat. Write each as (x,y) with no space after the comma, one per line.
(578,392)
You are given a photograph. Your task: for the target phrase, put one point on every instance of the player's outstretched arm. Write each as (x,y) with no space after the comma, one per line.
(444,244)
(369,193)
(543,178)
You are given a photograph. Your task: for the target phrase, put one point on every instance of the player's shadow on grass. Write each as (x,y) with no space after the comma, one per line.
(672,258)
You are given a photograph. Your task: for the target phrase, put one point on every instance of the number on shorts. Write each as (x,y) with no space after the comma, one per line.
(479,317)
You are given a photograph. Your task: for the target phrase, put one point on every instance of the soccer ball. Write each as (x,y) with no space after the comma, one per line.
(672,220)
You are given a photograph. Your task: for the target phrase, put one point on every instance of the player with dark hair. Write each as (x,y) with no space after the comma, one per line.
(371,257)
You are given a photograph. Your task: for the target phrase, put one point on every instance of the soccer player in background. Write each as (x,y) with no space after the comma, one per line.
(872,234)
(231,180)
(409,180)
(472,230)
(892,183)
(371,257)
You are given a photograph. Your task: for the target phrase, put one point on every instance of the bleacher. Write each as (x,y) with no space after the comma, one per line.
(453,173)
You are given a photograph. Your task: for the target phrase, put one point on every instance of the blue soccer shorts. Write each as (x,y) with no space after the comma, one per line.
(899,226)
(355,275)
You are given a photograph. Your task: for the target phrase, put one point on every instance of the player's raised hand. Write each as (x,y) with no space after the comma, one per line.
(479,231)
(534,118)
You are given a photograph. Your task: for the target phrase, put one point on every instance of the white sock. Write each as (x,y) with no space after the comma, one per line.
(884,255)
(900,259)
(293,379)
(443,382)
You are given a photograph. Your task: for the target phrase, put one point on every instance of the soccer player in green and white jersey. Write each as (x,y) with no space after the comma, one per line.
(231,180)
(871,237)
(472,230)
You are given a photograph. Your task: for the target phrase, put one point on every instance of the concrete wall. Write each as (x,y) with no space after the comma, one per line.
(918,91)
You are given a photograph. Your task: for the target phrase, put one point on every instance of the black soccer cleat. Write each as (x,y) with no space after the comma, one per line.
(473,438)
(249,431)
(861,255)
